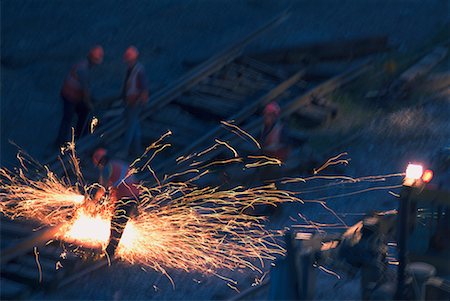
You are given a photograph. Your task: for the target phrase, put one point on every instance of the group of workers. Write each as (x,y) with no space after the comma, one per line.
(122,187)
(77,97)
(77,100)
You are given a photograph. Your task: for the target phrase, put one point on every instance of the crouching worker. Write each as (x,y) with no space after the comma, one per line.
(123,192)
(274,137)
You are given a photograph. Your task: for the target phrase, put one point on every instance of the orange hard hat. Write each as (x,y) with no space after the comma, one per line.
(96,54)
(99,155)
(131,54)
(272,109)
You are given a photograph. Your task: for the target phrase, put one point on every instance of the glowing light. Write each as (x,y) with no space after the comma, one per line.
(414,171)
(427,176)
(88,230)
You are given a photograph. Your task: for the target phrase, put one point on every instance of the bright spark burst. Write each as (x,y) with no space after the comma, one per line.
(87,229)
(179,226)
(48,200)
(201,230)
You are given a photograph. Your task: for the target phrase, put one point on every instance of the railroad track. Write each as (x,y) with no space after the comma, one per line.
(230,86)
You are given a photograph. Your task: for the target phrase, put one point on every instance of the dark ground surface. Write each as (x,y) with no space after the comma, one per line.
(40,41)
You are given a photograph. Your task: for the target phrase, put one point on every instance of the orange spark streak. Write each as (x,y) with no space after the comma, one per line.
(357,192)
(265,161)
(36,257)
(242,131)
(93,124)
(329,272)
(207,150)
(332,161)
(235,154)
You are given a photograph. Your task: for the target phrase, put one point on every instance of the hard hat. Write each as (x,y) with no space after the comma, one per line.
(96,54)
(99,155)
(131,54)
(272,109)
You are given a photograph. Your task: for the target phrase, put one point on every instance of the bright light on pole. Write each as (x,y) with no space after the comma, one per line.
(414,171)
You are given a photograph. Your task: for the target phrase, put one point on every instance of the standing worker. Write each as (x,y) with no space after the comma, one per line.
(135,94)
(76,95)
(123,193)
(274,137)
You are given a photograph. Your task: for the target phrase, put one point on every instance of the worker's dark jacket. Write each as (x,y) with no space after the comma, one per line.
(76,82)
(135,89)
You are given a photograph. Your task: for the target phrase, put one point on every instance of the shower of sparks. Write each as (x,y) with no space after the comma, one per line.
(49,200)
(179,226)
(201,229)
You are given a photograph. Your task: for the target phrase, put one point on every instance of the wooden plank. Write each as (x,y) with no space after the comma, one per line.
(327,87)
(409,78)
(296,103)
(424,66)
(173,116)
(437,82)
(342,49)
(238,118)
(240,86)
(263,68)
(239,72)
(204,104)
(215,91)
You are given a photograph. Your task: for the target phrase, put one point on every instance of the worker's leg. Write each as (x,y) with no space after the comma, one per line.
(82,111)
(137,139)
(131,125)
(122,212)
(66,122)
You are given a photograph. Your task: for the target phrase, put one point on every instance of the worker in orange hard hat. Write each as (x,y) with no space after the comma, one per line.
(123,193)
(76,94)
(274,137)
(135,93)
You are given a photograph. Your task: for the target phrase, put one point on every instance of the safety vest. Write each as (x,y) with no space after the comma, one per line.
(272,144)
(72,89)
(132,89)
(121,185)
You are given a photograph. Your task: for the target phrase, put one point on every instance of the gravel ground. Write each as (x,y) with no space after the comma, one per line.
(40,41)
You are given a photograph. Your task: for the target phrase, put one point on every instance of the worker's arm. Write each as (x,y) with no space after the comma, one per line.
(143,85)
(83,77)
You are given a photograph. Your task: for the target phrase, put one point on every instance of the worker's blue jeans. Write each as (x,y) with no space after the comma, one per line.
(132,140)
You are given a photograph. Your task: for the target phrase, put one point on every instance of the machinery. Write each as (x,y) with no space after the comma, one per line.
(420,230)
